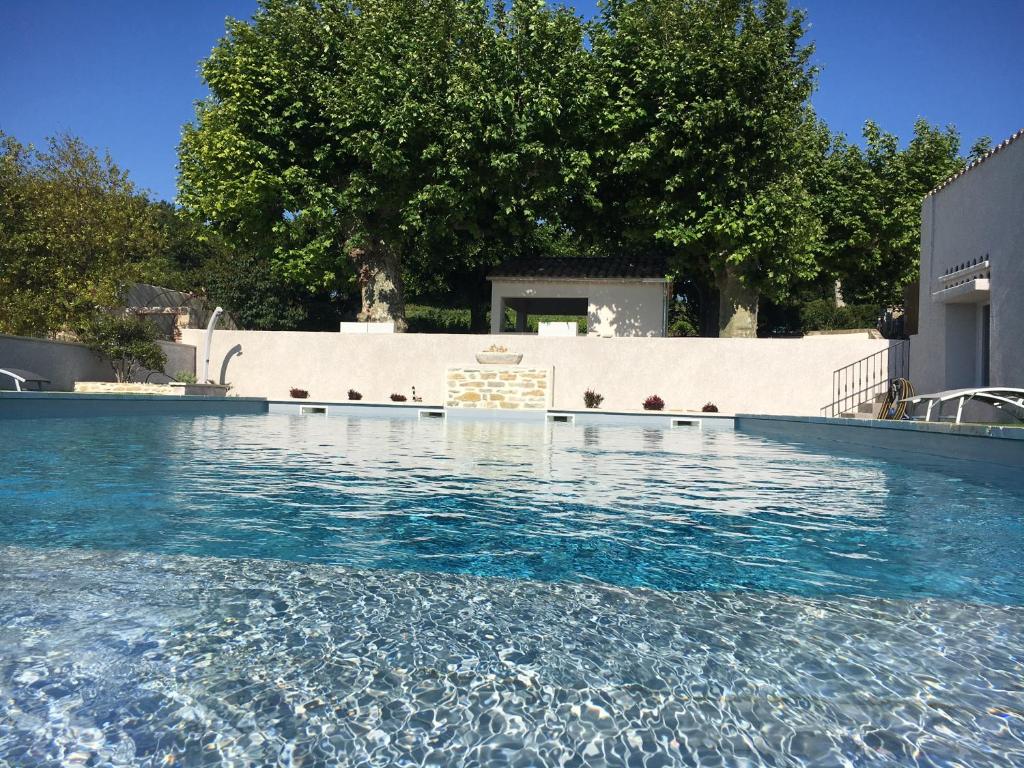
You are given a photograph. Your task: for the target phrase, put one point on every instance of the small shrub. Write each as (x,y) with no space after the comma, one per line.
(353,395)
(592,400)
(710,408)
(300,394)
(825,315)
(654,403)
(396,398)
(185,377)
(129,343)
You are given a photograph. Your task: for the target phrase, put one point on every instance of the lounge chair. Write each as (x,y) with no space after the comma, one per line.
(23,377)
(1006,399)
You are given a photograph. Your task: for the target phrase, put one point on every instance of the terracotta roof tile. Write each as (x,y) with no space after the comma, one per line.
(611,267)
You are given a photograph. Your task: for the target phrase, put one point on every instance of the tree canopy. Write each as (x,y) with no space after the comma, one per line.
(869,202)
(73,232)
(355,151)
(706,142)
(344,139)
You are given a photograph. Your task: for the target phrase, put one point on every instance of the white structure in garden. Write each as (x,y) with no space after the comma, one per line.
(971,312)
(618,296)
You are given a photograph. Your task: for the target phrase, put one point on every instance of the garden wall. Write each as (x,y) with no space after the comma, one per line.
(782,376)
(64,363)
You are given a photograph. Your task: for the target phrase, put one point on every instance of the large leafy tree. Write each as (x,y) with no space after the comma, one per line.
(73,232)
(869,201)
(342,139)
(707,141)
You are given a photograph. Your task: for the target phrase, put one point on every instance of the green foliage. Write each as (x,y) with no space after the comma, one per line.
(869,201)
(185,377)
(248,288)
(683,319)
(424,319)
(129,343)
(707,138)
(73,233)
(825,315)
(981,147)
(344,141)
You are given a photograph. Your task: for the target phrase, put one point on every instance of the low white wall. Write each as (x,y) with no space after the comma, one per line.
(784,376)
(64,363)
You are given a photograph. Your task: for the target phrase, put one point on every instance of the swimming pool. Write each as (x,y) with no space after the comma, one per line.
(391,591)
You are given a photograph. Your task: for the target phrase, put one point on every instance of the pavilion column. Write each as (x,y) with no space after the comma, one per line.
(497,313)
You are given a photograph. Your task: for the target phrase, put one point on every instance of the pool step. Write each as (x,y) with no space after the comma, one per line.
(867,410)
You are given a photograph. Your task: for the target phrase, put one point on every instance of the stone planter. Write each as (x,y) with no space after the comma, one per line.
(499,358)
(138,388)
(121,388)
(206,390)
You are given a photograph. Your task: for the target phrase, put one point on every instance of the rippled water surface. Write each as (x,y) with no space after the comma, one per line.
(312,591)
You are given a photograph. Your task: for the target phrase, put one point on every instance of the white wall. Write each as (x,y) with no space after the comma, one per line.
(977,215)
(785,376)
(64,363)
(615,307)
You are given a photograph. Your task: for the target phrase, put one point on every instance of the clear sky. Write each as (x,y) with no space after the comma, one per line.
(123,74)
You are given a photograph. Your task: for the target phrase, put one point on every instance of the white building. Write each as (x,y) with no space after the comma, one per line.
(971,314)
(618,296)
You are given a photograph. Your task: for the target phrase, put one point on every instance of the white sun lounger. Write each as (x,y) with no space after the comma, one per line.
(1004,398)
(23,377)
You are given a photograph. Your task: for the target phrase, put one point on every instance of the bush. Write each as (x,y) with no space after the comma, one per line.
(710,408)
(654,403)
(395,398)
(825,315)
(129,343)
(592,400)
(297,393)
(185,377)
(353,395)
(423,319)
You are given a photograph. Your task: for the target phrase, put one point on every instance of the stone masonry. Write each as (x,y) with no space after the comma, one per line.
(508,387)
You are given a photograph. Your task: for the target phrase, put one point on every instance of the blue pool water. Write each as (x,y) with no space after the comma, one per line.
(304,590)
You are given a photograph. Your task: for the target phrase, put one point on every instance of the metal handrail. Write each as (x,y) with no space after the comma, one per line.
(862,379)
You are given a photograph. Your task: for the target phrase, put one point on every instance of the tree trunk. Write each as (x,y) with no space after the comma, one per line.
(837,293)
(737,306)
(478,317)
(380,284)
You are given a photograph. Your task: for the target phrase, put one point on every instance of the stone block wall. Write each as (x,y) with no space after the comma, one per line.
(508,387)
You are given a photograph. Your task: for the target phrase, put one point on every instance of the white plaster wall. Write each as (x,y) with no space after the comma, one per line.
(980,213)
(616,308)
(65,363)
(782,376)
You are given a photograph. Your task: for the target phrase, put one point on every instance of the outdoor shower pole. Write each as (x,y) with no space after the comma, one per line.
(206,351)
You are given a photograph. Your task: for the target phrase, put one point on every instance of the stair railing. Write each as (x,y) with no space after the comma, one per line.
(863,379)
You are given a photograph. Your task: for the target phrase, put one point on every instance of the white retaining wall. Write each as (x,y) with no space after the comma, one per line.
(64,363)
(782,376)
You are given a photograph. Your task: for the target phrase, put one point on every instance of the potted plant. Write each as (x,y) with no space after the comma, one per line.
(710,408)
(298,394)
(592,400)
(654,403)
(498,355)
(396,398)
(354,395)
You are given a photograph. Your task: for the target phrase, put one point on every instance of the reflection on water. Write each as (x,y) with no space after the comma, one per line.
(673,509)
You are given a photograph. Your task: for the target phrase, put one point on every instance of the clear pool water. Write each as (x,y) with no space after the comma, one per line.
(313,591)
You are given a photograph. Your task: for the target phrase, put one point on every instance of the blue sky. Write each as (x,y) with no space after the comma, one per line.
(123,74)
